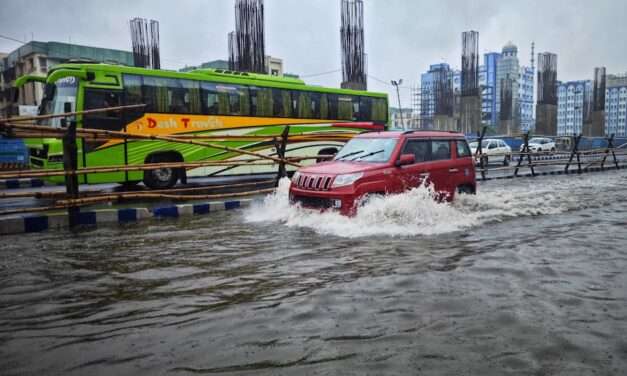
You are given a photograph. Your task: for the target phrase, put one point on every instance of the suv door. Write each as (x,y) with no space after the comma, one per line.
(463,170)
(411,176)
(442,168)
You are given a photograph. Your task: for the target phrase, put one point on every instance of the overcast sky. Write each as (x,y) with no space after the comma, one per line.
(402,36)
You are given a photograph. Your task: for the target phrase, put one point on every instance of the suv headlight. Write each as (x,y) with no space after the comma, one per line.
(346,179)
(295,177)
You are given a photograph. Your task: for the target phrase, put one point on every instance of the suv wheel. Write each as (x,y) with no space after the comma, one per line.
(465,190)
(161,178)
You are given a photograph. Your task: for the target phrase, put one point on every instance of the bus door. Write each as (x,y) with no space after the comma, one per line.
(103,153)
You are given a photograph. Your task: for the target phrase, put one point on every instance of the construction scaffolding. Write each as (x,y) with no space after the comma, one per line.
(416,107)
(145,39)
(247,43)
(470,63)
(354,65)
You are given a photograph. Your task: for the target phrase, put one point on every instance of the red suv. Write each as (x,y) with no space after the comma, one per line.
(384,163)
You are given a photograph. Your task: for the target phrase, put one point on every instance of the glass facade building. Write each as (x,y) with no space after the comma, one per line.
(573,106)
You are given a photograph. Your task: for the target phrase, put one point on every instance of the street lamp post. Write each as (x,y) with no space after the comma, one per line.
(398,95)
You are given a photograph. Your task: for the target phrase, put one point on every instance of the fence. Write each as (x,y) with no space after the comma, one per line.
(73,198)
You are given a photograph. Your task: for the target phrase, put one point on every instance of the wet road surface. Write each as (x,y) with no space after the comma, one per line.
(526,278)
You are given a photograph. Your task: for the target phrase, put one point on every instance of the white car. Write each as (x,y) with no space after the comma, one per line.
(493,146)
(540,145)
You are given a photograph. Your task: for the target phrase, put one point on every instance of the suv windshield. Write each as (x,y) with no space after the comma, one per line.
(371,150)
(64,91)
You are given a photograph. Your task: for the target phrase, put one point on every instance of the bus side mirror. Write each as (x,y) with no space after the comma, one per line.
(16,94)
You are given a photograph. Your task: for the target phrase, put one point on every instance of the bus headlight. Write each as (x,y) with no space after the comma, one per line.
(346,179)
(295,177)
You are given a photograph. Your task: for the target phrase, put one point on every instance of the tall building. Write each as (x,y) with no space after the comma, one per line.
(490,113)
(525,98)
(616,105)
(507,89)
(437,94)
(573,106)
(36,58)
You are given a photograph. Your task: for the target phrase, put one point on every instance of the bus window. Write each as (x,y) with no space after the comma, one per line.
(304,105)
(209,95)
(101,99)
(156,94)
(324,106)
(379,109)
(264,102)
(281,103)
(333,106)
(244,100)
(365,109)
(345,108)
(315,105)
(178,96)
(192,96)
(132,94)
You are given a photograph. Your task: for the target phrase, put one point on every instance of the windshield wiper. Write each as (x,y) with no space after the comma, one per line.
(369,154)
(349,154)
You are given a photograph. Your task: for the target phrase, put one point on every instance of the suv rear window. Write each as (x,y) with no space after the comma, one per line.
(440,149)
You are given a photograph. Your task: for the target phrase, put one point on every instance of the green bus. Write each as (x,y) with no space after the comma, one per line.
(204,101)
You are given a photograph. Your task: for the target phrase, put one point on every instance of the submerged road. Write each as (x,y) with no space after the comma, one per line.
(526,277)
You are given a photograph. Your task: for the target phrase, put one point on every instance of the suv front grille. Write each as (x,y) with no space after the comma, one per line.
(314,202)
(315,182)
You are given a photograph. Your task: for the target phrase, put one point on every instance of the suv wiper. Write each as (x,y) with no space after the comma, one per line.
(369,154)
(349,154)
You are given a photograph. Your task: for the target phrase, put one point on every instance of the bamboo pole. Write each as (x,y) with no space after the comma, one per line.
(201,188)
(109,169)
(157,137)
(66,114)
(124,196)
(46,194)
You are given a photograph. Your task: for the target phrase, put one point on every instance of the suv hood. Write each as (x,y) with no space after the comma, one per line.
(339,167)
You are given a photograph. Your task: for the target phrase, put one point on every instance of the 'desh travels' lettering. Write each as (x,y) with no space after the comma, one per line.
(170,123)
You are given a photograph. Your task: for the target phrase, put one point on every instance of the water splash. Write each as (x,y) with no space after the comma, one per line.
(417,213)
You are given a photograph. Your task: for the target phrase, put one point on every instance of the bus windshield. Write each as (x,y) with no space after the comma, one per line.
(64,90)
(371,150)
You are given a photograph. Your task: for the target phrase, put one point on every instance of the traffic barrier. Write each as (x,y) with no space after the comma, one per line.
(107,217)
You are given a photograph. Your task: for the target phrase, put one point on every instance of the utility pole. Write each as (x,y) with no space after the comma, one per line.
(398,95)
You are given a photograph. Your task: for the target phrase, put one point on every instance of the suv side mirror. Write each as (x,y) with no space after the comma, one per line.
(406,159)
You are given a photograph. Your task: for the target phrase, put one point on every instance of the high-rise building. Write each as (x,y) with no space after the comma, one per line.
(489,112)
(616,105)
(507,89)
(525,98)
(573,106)
(437,93)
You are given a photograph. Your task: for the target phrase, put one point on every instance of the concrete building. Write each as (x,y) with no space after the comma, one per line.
(616,105)
(407,118)
(36,58)
(573,106)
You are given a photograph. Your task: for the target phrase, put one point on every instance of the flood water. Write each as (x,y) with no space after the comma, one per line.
(528,277)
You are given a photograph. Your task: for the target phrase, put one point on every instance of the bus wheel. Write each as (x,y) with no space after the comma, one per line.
(161,178)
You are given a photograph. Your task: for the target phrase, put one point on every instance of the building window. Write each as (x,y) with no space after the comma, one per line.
(43,64)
